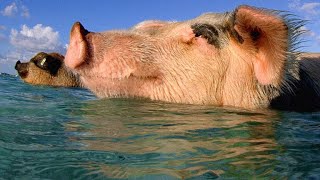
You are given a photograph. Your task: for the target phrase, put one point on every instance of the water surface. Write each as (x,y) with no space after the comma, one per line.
(66,133)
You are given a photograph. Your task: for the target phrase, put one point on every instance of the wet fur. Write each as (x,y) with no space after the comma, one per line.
(62,76)
(304,93)
(251,61)
(296,80)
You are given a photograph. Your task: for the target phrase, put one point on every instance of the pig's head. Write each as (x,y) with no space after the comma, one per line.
(241,58)
(47,69)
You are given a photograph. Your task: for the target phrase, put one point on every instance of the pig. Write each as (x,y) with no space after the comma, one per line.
(303,94)
(47,69)
(246,58)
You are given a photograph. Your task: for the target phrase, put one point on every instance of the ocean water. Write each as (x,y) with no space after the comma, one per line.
(66,133)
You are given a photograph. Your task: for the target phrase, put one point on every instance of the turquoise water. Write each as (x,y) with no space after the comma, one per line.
(61,133)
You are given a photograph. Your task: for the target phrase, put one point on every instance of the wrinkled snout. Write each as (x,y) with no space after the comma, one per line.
(22,69)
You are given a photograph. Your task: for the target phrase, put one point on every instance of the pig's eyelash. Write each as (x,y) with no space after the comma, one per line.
(208,32)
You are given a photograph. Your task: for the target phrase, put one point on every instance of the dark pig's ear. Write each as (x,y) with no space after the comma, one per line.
(264,34)
(77,50)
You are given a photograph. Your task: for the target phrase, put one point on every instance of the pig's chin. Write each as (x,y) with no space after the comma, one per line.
(132,86)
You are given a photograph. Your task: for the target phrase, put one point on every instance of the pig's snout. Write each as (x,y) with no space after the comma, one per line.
(22,69)
(17,65)
(77,50)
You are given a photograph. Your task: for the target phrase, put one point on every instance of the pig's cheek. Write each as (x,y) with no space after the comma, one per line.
(111,70)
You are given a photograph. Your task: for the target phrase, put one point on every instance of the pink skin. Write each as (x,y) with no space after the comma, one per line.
(167,61)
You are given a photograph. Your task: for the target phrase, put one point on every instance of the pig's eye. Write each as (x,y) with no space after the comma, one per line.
(42,63)
(208,32)
(49,64)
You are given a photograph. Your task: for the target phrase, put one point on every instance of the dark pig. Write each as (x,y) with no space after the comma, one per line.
(47,69)
(243,58)
(304,93)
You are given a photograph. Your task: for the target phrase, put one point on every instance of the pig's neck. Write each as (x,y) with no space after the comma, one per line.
(67,78)
(241,89)
(303,94)
(244,92)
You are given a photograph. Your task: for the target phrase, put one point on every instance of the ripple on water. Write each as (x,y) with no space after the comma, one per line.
(62,133)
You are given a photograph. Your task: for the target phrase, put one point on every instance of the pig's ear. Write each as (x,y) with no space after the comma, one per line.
(264,34)
(77,50)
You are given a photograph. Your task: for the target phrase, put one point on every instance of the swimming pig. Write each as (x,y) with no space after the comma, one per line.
(47,69)
(243,58)
(304,93)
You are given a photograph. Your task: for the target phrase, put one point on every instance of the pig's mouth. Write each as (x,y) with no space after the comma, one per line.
(146,78)
(129,86)
(23,74)
(132,79)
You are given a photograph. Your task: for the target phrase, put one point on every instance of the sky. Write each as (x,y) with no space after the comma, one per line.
(31,26)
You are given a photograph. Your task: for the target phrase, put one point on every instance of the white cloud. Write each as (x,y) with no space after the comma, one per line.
(25,12)
(311,35)
(9,57)
(2,37)
(2,27)
(14,9)
(28,41)
(311,8)
(3,59)
(310,11)
(294,4)
(37,38)
(307,32)
(10,10)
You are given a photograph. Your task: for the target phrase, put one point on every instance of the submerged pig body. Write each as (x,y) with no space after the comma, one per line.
(242,58)
(304,93)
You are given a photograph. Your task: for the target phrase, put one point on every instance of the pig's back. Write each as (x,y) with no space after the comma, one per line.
(303,94)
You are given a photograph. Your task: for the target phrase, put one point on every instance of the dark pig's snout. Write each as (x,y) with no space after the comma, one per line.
(17,66)
(22,68)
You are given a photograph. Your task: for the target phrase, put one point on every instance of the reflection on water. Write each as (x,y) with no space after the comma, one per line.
(178,140)
(59,133)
